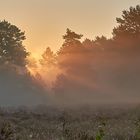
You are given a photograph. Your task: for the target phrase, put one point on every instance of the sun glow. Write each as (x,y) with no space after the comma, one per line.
(33,64)
(43,73)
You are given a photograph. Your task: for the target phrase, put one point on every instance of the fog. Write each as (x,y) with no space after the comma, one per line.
(105,78)
(82,79)
(18,89)
(102,71)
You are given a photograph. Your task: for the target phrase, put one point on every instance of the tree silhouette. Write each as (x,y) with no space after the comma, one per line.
(87,43)
(70,35)
(48,57)
(11,48)
(72,43)
(129,26)
(102,66)
(100,41)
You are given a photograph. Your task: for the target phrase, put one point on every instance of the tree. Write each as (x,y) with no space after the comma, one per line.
(48,57)
(11,48)
(128,26)
(72,43)
(88,43)
(70,35)
(100,41)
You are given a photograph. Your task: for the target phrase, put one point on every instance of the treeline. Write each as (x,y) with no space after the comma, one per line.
(99,70)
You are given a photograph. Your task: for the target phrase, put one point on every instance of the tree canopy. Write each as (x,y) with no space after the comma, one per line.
(128,25)
(11,47)
(71,43)
(97,65)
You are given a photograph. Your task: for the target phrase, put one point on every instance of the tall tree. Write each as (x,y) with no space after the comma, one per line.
(11,47)
(72,43)
(128,25)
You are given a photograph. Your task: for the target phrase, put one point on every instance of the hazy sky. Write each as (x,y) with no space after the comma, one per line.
(45,21)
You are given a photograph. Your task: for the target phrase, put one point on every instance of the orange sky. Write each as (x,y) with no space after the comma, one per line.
(45,21)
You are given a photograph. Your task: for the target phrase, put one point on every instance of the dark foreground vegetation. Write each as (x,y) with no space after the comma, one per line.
(83,123)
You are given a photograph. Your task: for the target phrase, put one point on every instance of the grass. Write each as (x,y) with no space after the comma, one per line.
(70,124)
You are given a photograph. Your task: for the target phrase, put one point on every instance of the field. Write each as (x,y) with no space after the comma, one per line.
(81,123)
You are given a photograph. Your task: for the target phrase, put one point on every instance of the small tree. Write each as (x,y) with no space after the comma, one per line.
(48,57)
(11,47)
